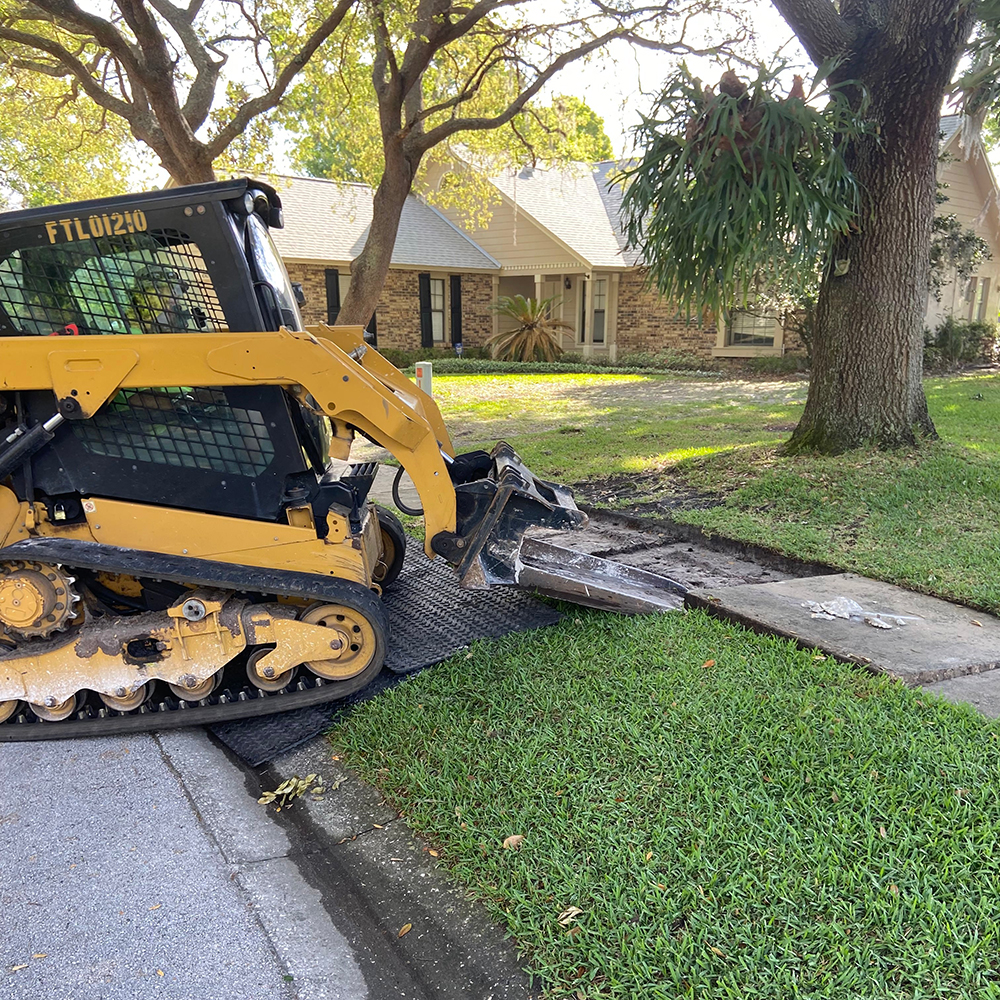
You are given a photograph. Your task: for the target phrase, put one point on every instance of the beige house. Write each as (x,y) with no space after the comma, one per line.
(440,284)
(973,196)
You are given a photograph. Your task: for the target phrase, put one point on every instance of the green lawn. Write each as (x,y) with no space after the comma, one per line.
(732,817)
(929,520)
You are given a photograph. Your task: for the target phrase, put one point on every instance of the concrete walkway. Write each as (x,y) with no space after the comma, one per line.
(144,866)
(946,648)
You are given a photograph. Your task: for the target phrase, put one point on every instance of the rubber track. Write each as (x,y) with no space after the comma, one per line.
(169,713)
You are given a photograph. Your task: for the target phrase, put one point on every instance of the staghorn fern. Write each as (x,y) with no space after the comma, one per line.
(741,186)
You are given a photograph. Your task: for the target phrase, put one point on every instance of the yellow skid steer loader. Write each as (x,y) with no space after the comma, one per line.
(168,509)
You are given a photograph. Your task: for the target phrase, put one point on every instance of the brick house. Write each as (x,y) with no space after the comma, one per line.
(557,233)
(440,284)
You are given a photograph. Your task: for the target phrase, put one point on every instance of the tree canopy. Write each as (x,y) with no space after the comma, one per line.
(57,146)
(159,67)
(406,80)
(453,79)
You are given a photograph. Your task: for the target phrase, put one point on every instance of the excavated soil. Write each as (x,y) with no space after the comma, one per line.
(684,553)
(623,492)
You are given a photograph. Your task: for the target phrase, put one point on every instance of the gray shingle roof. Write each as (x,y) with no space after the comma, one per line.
(327,221)
(948,126)
(577,204)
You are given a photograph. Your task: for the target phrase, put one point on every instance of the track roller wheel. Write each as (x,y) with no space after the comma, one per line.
(57,711)
(270,684)
(7,709)
(363,638)
(125,701)
(196,690)
(393,548)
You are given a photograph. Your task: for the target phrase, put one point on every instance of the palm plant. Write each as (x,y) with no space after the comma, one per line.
(536,336)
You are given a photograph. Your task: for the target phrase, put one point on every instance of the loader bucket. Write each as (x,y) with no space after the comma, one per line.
(510,529)
(493,512)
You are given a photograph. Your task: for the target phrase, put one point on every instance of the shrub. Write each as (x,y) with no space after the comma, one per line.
(536,336)
(667,359)
(955,342)
(407,359)
(486,366)
(785,364)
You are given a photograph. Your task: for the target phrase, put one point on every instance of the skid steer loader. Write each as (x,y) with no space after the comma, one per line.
(169,516)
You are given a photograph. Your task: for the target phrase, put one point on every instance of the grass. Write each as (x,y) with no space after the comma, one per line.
(578,427)
(733,817)
(928,519)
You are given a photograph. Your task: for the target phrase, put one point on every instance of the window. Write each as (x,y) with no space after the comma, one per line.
(979,294)
(456,308)
(143,282)
(600,308)
(270,269)
(334,295)
(432,326)
(750,329)
(437,310)
(337,285)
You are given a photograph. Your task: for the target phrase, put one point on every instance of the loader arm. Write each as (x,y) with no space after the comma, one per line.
(324,363)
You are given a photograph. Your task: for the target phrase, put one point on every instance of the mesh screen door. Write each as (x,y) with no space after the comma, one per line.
(153,282)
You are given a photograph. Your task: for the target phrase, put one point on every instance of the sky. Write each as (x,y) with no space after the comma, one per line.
(621,86)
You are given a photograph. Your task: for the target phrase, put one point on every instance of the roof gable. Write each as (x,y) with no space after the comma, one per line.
(947,127)
(973,192)
(578,204)
(328,221)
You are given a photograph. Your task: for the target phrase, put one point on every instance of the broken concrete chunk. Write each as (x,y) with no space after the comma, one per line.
(876,622)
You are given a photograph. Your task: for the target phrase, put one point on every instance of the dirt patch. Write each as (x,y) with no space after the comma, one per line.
(647,494)
(681,552)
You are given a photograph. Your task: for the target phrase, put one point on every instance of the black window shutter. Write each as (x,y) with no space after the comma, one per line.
(456,309)
(373,329)
(332,295)
(426,330)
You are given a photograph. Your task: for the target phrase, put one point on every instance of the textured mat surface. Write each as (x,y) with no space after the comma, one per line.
(430,618)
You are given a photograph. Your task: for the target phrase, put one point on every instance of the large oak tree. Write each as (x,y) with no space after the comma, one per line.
(857,177)
(160,67)
(443,72)
(866,385)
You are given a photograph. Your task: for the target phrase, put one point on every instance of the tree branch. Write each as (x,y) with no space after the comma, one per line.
(271,99)
(820,29)
(70,16)
(446,129)
(71,67)
(202,91)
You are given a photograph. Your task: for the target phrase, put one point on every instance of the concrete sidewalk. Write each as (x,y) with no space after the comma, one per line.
(115,886)
(945,648)
(144,866)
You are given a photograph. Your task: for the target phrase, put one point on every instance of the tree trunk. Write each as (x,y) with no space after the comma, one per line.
(867,360)
(191,166)
(371,266)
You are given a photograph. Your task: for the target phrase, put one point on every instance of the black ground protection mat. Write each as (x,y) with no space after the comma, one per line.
(430,618)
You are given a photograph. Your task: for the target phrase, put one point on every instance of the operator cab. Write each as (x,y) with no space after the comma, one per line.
(182,260)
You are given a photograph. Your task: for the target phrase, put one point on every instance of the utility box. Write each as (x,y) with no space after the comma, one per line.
(422,370)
